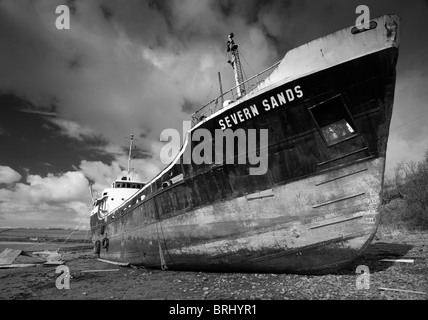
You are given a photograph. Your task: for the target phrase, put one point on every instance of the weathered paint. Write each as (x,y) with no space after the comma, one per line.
(234,235)
(316,208)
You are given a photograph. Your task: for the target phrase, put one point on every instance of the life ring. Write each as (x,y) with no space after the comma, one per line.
(97,247)
(105,243)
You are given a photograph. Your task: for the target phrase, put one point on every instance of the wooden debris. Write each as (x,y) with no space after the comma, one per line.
(22,265)
(123,264)
(54,263)
(398,260)
(106,270)
(8,256)
(402,290)
(48,255)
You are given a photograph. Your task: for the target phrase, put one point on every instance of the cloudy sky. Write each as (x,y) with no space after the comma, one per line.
(69,98)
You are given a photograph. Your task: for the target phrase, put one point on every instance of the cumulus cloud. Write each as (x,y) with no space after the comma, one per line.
(56,189)
(60,200)
(100,81)
(8,175)
(134,67)
(73,129)
(25,214)
(132,71)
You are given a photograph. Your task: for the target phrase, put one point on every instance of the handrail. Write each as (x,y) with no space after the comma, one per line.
(235,87)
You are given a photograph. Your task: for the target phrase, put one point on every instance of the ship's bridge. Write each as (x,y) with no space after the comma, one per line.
(112,198)
(126,182)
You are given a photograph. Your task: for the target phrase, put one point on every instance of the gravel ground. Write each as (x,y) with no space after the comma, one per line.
(138,283)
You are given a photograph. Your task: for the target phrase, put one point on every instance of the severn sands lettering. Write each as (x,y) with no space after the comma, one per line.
(239,116)
(252,111)
(282,98)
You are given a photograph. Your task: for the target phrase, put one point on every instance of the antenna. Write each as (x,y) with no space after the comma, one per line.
(130,153)
(91,192)
(236,65)
(132,139)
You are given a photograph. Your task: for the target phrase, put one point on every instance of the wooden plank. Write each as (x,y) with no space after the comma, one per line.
(106,270)
(402,290)
(22,265)
(8,256)
(398,260)
(54,263)
(123,264)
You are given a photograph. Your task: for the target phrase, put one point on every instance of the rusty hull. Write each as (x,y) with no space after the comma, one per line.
(307,226)
(316,208)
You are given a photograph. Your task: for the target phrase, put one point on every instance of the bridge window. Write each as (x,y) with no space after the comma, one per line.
(333,120)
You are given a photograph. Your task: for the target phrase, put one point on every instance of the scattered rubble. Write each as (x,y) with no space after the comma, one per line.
(389,280)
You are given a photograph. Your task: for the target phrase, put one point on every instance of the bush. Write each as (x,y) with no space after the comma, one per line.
(391,213)
(411,184)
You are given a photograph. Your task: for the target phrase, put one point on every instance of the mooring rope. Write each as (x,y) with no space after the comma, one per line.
(163,263)
(162,258)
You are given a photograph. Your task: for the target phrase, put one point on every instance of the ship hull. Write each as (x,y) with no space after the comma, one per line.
(234,236)
(313,211)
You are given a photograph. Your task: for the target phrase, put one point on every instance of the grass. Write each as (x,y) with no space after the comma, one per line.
(391,231)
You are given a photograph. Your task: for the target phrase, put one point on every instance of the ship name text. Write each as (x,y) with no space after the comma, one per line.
(274,101)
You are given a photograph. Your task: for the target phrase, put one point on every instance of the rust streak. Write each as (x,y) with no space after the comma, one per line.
(341,157)
(334,222)
(337,200)
(340,177)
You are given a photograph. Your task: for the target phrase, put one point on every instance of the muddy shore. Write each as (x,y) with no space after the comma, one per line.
(129,283)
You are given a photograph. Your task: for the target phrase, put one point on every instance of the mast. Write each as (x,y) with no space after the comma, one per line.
(236,65)
(91,193)
(130,153)
(221,89)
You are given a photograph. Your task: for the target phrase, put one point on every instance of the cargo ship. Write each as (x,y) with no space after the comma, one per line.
(326,108)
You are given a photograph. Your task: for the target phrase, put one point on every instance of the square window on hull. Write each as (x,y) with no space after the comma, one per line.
(333,120)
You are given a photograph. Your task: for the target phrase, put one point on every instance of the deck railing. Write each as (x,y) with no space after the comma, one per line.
(217,103)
